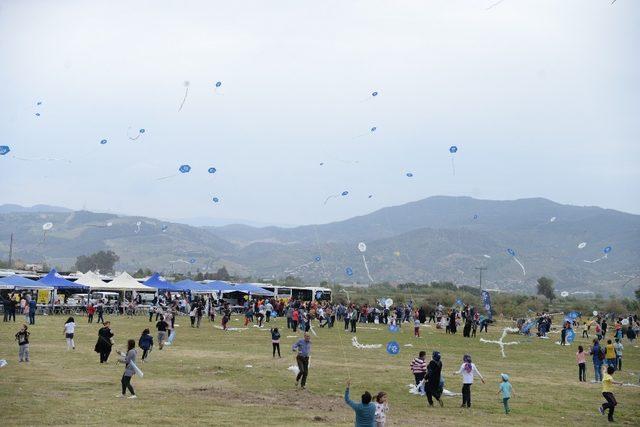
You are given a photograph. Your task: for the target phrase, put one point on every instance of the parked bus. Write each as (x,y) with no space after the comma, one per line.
(304,293)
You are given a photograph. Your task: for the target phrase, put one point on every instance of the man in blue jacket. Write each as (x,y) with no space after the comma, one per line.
(365,411)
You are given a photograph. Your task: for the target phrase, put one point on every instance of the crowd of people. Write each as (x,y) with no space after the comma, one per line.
(303,315)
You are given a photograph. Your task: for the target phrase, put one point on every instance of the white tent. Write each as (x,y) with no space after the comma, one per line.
(125,282)
(92,280)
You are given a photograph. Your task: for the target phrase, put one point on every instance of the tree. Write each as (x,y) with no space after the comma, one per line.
(222,274)
(100,261)
(545,288)
(638,294)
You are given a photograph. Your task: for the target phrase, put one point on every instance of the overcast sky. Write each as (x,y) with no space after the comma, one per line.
(540,97)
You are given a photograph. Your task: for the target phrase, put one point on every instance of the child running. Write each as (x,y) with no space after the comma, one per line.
(145,343)
(507,391)
(129,371)
(23,344)
(382,407)
(468,369)
(607,393)
(69,330)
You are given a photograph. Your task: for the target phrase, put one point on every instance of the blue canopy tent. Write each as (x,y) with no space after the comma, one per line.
(219,286)
(53,279)
(191,286)
(162,284)
(253,289)
(19,282)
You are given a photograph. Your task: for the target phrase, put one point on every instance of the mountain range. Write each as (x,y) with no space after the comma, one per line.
(438,238)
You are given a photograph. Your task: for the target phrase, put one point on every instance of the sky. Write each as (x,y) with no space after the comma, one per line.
(539,96)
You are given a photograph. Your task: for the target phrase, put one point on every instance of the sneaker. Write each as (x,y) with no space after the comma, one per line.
(601,410)
(133,396)
(120,396)
(303,388)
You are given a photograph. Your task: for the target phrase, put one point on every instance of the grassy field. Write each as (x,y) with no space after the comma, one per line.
(203,379)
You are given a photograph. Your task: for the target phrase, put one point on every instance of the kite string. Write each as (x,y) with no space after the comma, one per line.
(186,92)
(338,336)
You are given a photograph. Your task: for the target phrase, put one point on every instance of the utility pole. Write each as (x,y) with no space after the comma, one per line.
(481,269)
(11,251)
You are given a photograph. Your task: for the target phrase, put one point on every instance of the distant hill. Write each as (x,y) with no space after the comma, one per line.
(438,238)
(11,208)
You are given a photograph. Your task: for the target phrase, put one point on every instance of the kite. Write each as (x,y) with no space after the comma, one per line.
(4,149)
(186,92)
(181,169)
(513,254)
(453,150)
(369,98)
(103,142)
(409,174)
(140,133)
(362,247)
(138,224)
(501,342)
(218,85)
(393,348)
(582,245)
(344,193)
(606,252)
(215,200)
(349,271)
(212,170)
(46,227)
(372,130)
(356,344)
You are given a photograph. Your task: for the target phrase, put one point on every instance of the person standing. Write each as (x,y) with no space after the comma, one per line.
(607,393)
(433,379)
(303,346)
(33,306)
(468,370)
(269,309)
(69,331)
(365,411)
(275,341)
(105,341)
(23,344)
(91,309)
(100,311)
(199,314)
(610,355)
(581,359)
(618,347)
(354,320)
(129,371)
(419,367)
(597,356)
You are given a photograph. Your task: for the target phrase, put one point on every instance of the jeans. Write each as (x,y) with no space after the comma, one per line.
(126,384)
(145,353)
(505,402)
(610,404)
(23,353)
(419,376)
(303,365)
(466,395)
(582,374)
(32,318)
(276,346)
(619,359)
(597,367)
(353,325)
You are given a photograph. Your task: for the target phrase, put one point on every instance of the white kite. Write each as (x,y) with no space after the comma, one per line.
(501,342)
(356,344)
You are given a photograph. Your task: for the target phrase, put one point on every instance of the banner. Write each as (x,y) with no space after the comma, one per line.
(486,301)
(44,296)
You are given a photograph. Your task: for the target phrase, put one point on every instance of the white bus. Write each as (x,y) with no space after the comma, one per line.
(304,293)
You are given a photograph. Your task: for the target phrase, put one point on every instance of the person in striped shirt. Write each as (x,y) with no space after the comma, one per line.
(419,367)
